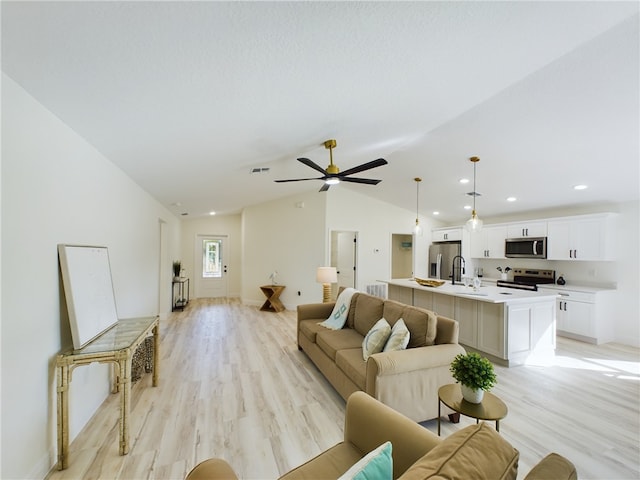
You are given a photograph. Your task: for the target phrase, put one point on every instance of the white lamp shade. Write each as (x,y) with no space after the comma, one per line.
(326,275)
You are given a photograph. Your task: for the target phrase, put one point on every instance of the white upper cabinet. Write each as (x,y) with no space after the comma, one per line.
(488,242)
(581,238)
(527,229)
(446,234)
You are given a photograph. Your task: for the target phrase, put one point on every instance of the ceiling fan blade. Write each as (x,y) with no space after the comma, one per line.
(312,164)
(324,187)
(365,166)
(367,181)
(298,179)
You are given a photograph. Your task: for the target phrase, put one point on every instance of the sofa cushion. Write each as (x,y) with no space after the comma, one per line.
(477,451)
(399,338)
(553,466)
(330,341)
(352,310)
(350,361)
(329,464)
(392,311)
(310,328)
(376,338)
(375,465)
(422,326)
(368,310)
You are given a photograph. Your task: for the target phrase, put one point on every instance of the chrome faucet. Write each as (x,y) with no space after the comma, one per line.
(453,268)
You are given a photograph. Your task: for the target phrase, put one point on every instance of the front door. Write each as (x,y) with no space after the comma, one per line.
(210,266)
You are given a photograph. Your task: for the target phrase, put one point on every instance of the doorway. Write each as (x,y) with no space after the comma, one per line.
(210,266)
(401,255)
(164,271)
(344,250)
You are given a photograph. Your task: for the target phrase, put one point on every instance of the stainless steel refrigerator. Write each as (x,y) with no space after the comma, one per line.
(441,256)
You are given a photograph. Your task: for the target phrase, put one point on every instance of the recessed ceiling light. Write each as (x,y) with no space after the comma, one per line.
(212,212)
(463,180)
(511,199)
(580,187)
(436,213)
(467,207)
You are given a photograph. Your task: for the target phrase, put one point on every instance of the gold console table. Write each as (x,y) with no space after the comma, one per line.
(116,346)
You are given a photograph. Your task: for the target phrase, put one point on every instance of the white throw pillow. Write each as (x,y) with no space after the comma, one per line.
(376,338)
(399,338)
(375,465)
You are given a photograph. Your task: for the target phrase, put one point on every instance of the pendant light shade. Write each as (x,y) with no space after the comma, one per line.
(417,230)
(474,224)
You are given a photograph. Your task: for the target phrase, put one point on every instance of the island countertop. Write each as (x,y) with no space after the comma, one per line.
(486,293)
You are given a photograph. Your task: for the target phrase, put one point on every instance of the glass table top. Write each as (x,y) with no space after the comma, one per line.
(119,336)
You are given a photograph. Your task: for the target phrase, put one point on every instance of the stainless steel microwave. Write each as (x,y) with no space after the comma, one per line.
(526,247)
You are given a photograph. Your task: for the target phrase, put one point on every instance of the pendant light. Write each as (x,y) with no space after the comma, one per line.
(474,224)
(417,229)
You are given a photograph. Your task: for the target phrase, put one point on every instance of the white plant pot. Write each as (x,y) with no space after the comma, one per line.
(471,395)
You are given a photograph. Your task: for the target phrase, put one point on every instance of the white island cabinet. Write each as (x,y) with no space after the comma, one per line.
(509,326)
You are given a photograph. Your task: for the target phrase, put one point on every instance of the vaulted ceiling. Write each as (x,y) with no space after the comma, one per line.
(189,97)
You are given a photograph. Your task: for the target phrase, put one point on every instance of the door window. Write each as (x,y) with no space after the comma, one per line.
(212,258)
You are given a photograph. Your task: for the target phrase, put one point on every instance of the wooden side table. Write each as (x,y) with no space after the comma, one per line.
(273,303)
(491,408)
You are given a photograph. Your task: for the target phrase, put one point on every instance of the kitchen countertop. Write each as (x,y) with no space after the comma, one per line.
(486,293)
(553,286)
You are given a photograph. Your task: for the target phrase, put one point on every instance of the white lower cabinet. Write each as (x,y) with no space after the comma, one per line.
(491,331)
(467,317)
(529,329)
(444,305)
(586,316)
(511,333)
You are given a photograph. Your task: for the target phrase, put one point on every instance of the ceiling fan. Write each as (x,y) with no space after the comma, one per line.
(332,175)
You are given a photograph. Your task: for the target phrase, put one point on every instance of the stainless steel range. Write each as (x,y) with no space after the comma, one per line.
(528,279)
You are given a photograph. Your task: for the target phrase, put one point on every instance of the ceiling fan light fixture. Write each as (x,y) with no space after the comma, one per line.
(474,224)
(332,174)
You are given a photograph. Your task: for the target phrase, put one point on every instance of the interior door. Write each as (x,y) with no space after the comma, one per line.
(210,265)
(343,257)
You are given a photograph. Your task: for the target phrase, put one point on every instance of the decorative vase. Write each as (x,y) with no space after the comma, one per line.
(503,276)
(471,395)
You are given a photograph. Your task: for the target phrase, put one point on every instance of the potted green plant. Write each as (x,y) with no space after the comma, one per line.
(177,266)
(475,375)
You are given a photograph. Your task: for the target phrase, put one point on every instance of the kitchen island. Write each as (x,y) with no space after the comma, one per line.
(510,326)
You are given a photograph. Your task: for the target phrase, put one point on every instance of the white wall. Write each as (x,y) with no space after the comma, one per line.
(284,237)
(56,188)
(376,222)
(295,241)
(219,225)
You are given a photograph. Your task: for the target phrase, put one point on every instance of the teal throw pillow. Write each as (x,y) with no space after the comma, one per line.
(375,465)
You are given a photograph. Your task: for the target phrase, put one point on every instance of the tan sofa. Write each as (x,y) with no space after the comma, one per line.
(475,452)
(406,380)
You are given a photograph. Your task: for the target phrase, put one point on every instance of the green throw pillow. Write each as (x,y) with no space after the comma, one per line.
(375,465)
(376,338)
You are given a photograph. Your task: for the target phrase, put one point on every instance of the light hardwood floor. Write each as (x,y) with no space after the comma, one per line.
(233,384)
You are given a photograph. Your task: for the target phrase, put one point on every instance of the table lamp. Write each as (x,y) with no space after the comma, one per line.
(326,276)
